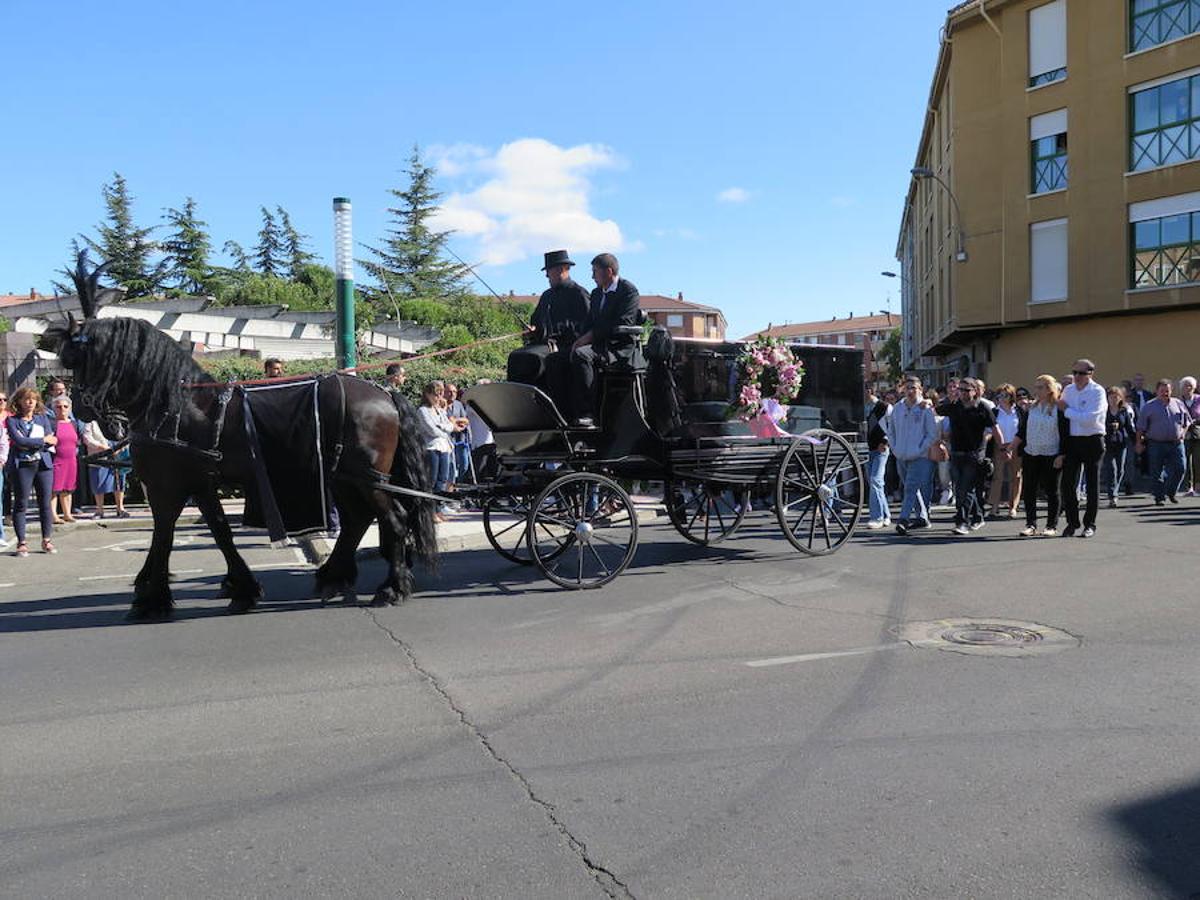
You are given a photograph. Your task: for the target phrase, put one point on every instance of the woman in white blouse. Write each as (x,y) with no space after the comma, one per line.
(1041,436)
(437,428)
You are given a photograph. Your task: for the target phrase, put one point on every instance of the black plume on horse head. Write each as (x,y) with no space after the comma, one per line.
(87,284)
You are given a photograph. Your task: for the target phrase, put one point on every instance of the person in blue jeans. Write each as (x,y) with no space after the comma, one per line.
(436,430)
(31,441)
(911,429)
(877,460)
(4,542)
(1161,426)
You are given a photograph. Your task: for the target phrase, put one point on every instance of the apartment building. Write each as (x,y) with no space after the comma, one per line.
(1055,206)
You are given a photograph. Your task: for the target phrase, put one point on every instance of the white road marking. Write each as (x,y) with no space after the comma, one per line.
(134,575)
(8,584)
(812,657)
(287,565)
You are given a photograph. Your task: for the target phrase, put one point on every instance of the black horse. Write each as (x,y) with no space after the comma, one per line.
(188,441)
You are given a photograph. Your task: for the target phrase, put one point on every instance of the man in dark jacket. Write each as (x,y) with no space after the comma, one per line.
(557,321)
(614,303)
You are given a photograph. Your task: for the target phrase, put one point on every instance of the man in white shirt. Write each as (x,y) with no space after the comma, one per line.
(1084,402)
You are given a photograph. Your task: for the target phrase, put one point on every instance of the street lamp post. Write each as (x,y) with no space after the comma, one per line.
(926,172)
(343,265)
(908,315)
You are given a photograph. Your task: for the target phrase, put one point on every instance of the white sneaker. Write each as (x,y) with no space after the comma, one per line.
(961,529)
(1029,531)
(1049,532)
(876,524)
(4,545)
(975,526)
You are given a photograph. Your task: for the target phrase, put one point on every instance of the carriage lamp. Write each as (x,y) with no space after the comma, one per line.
(343,267)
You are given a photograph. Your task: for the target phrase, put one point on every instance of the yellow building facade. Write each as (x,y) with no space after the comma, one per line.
(1055,209)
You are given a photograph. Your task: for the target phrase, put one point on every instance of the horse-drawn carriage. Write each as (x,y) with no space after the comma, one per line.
(558,501)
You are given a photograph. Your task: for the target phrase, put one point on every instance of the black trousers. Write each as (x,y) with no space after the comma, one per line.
(39,481)
(583,382)
(1038,472)
(1082,453)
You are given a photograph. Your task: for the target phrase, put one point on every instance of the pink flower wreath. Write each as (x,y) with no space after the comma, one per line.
(767,370)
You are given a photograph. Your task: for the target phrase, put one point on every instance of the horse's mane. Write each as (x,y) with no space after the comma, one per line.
(131,364)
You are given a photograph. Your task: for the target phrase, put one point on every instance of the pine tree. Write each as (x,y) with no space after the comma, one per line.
(241,259)
(410,264)
(126,248)
(268,255)
(293,245)
(187,249)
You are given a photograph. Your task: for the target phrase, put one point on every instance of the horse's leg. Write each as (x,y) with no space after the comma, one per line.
(397,585)
(152,587)
(338,574)
(239,584)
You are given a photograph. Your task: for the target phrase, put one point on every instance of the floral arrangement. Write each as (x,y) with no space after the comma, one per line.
(767,371)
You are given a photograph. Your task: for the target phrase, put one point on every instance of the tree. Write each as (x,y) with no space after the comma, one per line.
(126,248)
(293,245)
(890,354)
(268,255)
(410,262)
(187,249)
(241,260)
(5,325)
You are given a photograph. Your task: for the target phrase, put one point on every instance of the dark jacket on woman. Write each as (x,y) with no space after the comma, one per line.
(23,446)
(1119,428)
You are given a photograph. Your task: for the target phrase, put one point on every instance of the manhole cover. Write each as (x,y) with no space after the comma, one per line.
(990,637)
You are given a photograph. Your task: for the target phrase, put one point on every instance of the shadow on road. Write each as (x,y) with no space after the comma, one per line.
(1167,830)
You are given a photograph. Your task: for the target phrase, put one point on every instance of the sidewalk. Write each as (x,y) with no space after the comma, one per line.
(461,531)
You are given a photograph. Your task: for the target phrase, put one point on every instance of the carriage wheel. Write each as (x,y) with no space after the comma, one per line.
(582,531)
(703,512)
(508,538)
(819,492)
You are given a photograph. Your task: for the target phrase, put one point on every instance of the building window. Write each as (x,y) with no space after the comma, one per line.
(1048,138)
(1166,124)
(674,320)
(1048,43)
(1154,22)
(1048,261)
(1165,234)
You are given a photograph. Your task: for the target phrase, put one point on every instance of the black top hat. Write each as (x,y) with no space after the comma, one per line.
(557,258)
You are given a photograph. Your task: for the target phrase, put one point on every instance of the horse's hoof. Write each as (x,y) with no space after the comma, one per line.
(386,597)
(148,614)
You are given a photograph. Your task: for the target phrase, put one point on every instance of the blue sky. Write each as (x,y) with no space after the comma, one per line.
(753,156)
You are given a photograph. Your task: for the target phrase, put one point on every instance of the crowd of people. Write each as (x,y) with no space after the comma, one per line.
(41,443)
(991,453)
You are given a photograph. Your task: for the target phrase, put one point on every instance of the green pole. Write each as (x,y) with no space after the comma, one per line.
(343,266)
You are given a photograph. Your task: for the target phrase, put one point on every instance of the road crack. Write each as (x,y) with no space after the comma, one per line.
(608,882)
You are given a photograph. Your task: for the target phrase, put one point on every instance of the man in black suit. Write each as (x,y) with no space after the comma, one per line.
(557,321)
(614,303)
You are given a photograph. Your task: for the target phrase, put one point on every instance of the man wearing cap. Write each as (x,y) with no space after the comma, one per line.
(557,321)
(1085,404)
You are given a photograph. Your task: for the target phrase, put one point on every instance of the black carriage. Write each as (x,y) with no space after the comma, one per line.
(557,500)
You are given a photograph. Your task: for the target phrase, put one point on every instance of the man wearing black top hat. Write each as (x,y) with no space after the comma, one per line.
(614,303)
(557,321)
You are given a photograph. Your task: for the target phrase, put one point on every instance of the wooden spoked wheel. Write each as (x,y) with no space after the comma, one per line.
(582,531)
(819,492)
(703,512)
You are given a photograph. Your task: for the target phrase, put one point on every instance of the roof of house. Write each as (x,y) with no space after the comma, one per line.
(14,299)
(852,324)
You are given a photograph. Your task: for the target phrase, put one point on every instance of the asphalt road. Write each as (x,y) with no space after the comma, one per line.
(496,737)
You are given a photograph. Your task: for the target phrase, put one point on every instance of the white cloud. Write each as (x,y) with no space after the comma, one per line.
(535,198)
(452,160)
(733,195)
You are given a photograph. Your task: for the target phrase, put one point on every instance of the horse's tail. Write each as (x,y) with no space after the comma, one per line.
(409,470)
